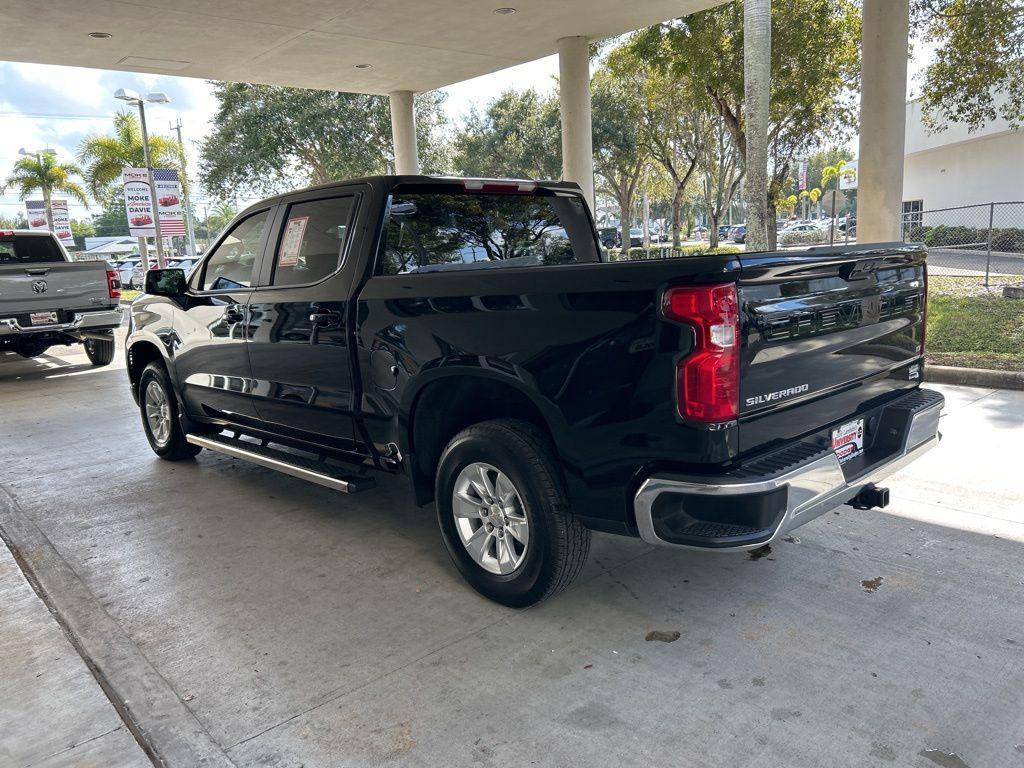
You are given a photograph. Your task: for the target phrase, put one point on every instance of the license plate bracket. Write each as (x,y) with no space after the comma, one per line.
(848,440)
(43,318)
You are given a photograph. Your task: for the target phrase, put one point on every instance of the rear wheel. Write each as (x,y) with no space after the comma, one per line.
(160,416)
(99,352)
(504,513)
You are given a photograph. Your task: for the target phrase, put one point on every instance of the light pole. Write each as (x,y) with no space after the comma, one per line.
(157,97)
(38,155)
(176,126)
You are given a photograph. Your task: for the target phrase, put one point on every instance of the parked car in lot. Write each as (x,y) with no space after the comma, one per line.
(471,335)
(47,299)
(124,269)
(738,234)
(609,236)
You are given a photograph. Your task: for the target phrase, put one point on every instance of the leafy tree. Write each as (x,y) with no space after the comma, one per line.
(44,174)
(976,73)
(267,139)
(721,172)
(815,67)
(517,136)
(112,221)
(818,161)
(620,155)
(81,230)
(18,221)
(104,157)
(669,124)
(217,218)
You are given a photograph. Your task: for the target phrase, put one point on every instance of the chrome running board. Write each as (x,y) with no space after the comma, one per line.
(314,471)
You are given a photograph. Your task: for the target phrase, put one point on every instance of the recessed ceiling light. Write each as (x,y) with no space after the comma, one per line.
(504,11)
(100,35)
(364,66)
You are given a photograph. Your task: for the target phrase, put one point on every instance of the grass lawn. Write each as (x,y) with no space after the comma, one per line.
(974,329)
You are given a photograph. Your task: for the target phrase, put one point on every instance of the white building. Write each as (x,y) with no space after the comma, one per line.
(953,167)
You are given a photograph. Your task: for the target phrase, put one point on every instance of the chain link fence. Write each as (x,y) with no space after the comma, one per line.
(980,244)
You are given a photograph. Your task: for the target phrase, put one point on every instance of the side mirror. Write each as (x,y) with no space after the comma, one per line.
(166,282)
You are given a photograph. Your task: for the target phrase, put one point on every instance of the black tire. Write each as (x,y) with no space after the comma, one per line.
(173,447)
(99,352)
(558,542)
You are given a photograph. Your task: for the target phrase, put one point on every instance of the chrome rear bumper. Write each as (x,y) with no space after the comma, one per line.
(810,489)
(82,321)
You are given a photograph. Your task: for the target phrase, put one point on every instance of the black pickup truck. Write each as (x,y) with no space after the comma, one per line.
(471,335)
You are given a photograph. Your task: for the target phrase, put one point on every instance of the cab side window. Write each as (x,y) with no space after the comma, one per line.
(312,242)
(231,263)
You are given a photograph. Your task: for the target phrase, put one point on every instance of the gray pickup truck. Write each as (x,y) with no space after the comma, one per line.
(47,299)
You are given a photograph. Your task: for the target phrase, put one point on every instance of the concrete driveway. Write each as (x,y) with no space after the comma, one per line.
(243,617)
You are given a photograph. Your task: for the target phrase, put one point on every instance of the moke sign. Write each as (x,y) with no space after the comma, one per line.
(137,202)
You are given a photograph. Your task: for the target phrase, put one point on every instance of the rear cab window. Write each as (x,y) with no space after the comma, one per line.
(29,249)
(434,228)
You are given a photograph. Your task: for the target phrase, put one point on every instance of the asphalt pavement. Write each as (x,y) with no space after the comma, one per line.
(236,616)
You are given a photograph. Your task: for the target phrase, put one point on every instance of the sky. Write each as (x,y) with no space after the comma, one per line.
(45,106)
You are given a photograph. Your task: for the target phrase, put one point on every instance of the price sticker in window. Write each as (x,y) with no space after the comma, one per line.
(291,244)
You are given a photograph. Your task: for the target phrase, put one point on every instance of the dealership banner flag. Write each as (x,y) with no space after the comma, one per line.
(140,208)
(35,210)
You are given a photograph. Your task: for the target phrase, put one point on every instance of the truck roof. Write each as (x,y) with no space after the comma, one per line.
(388,181)
(32,232)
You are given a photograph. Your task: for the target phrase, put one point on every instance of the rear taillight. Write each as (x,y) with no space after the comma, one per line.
(113,284)
(708,379)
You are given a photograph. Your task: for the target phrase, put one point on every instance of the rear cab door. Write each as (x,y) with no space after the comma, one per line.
(830,336)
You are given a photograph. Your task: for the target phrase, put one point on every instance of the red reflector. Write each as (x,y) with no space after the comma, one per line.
(708,379)
(113,284)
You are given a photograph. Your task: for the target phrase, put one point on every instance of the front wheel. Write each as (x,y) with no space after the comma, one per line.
(504,514)
(160,416)
(99,352)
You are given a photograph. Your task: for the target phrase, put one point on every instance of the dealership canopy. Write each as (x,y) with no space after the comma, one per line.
(401,47)
(409,45)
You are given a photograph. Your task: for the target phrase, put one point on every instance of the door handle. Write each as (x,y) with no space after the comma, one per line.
(233,315)
(323,319)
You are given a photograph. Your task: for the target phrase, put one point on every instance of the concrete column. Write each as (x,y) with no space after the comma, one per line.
(403,132)
(883,116)
(574,96)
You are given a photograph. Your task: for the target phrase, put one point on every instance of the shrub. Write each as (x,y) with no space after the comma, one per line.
(1008,240)
(806,238)
(661,252)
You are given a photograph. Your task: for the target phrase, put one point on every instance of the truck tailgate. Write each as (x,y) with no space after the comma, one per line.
(26,288)
(827,332)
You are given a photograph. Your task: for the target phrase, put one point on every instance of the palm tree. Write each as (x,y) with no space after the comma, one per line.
(757,60)
(218,218)
(105,157)
(42,173)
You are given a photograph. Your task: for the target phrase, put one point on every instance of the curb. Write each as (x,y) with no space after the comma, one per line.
(974,377)
(162,724)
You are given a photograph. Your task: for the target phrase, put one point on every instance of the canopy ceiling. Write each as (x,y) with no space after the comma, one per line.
(409,44)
